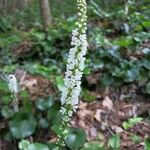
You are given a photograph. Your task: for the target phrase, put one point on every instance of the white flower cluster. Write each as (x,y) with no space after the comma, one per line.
(76,59)
(12,83)
(13,86)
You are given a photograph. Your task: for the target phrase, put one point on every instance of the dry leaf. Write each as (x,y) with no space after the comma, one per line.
(30,83)
(93,132)
(117,129)
(82,105)
(107,102)
(97,115)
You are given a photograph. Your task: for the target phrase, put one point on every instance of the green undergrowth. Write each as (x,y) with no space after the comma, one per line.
(117,48)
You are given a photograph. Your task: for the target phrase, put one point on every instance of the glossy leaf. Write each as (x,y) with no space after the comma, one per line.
(23,125)
(38,146)
(75,139)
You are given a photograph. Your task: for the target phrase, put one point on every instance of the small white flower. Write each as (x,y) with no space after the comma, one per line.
(76,60)
(12,83)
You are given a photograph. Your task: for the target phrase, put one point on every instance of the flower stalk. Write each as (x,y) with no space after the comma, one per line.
(74,71)
(13,86)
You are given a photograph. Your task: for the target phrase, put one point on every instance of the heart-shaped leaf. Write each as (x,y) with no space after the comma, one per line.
(23,125)
(75,139)
(43,104)
(38,146)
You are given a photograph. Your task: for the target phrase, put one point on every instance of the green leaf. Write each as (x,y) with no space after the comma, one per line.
(3,86)
(118,72)
(92,146)
(6,99)
(56,129)
(147,144)
(53,111)
(75,139)
(43,123)
(138,28)
(50,102)
(7,112)
(52,146)
(131,74)
(146,24)
(60,82)
(43,104)
(23,125)
(88,97)
(38,146)
(70,141)
(87,71)
(124,42)
(27,105)
(106,80)
(131,122)
(135,120)
(135,138)
(10,68)
(39,36)
(24,94)
(23,145)
(126,125)
(148,88)
(114,142)
(40,104)
(145,63)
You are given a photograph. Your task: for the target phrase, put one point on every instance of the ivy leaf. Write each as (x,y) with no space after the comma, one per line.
(40,104)
(23,125)
(75,139)
(38,146)
(135,120)
(92,146)
(124,42)
(43,104)
(147,144)
(114,142)
(53,111)
(146,24)
(6,99)
(7,112)
(23,144)
(132,74)
(135,138)
(146,63)
(131,122)
(106,80)
(43,123)
(56,129)
(88,97)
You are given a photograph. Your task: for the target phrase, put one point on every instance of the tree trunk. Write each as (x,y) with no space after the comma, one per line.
(46,13)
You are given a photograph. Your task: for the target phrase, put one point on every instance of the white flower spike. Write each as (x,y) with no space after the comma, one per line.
(74,71)
(76,59)
(12,83)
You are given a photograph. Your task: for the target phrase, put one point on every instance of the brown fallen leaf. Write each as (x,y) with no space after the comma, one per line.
(37,86)
(93,132)
(97,114)
(82,105)
(117,129)
(107,102)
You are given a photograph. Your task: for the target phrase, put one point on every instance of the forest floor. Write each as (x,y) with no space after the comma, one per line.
(114,114)
(107,115)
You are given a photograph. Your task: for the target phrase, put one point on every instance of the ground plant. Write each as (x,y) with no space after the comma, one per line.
(74,75)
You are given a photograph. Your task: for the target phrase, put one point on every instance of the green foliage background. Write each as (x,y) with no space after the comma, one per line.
(116,48)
